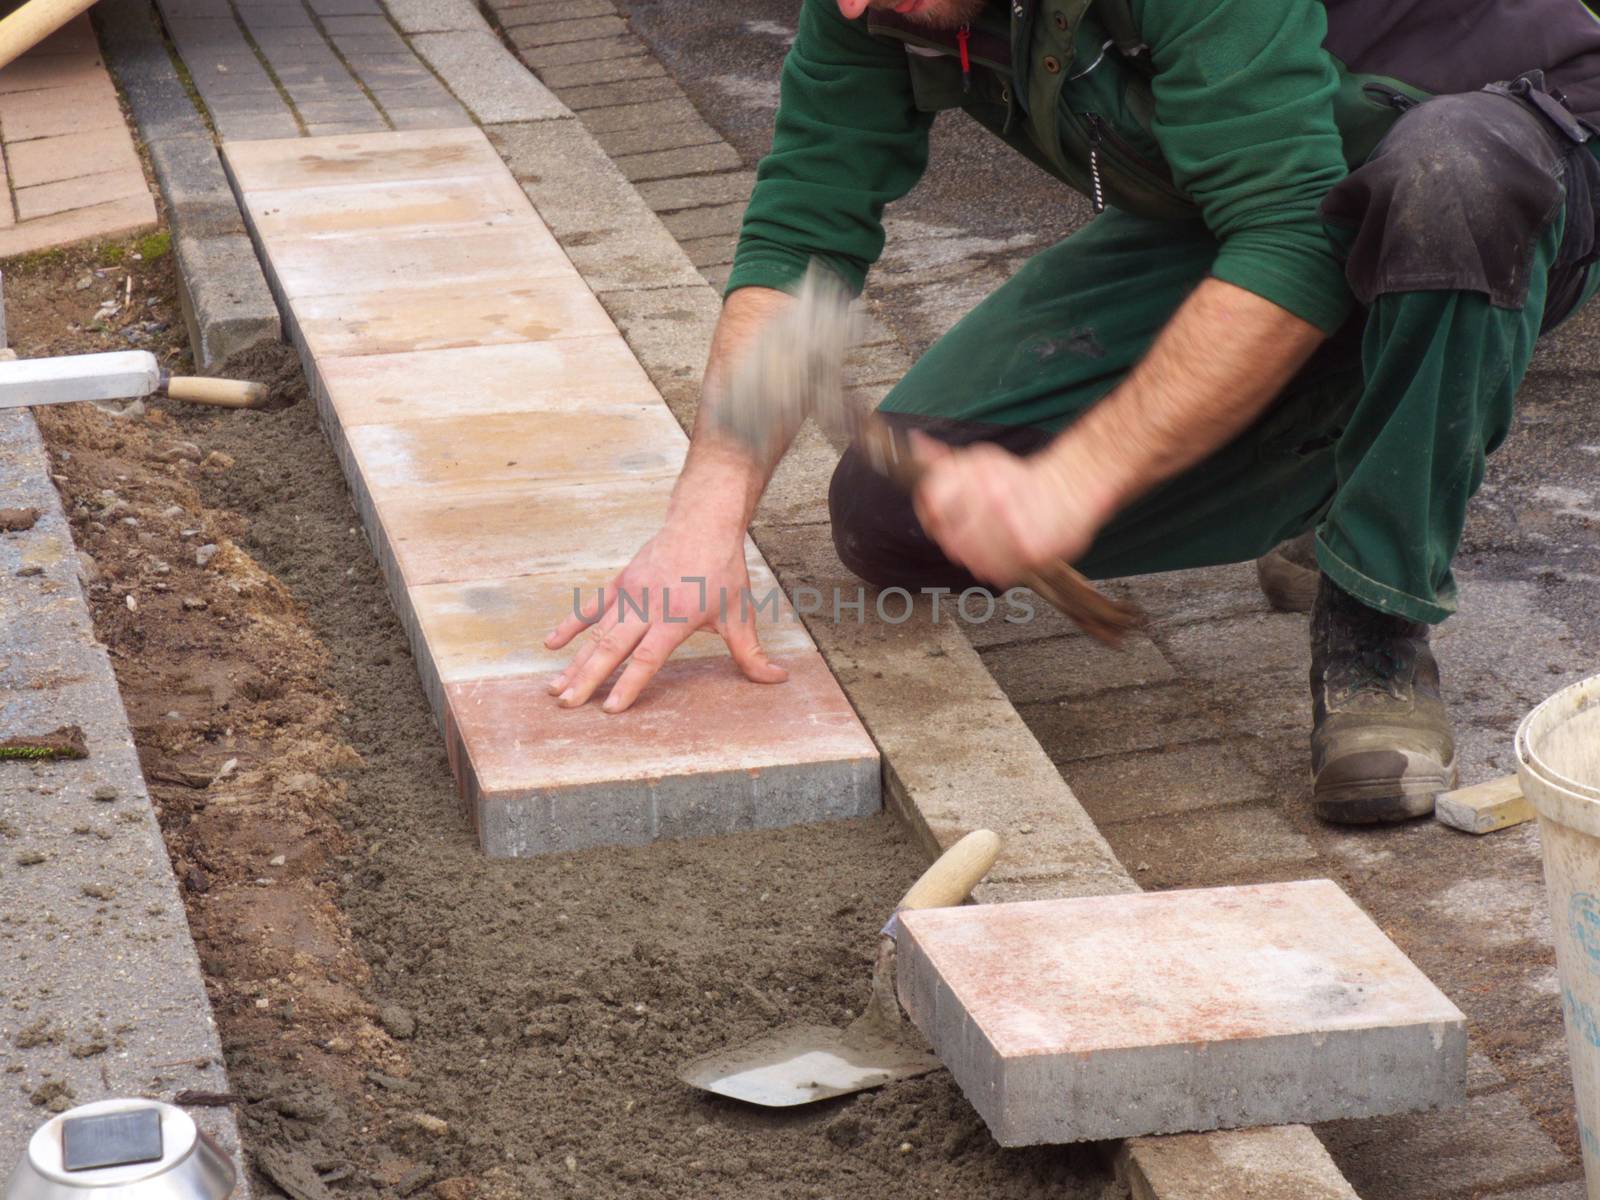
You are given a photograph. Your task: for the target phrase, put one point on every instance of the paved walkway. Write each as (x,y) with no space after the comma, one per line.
(70,163)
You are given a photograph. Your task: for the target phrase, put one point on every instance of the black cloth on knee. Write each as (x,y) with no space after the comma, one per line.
(1453,199)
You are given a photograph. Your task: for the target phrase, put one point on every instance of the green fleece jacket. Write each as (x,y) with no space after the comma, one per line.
(1244,118)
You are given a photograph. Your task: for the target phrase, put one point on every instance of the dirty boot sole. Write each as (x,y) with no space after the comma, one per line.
(1379,787)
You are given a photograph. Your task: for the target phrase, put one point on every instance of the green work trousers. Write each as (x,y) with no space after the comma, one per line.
(1377,444)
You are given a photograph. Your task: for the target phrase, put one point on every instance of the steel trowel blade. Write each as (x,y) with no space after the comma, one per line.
(805,1063)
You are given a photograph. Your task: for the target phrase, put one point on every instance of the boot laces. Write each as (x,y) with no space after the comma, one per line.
(1374,670)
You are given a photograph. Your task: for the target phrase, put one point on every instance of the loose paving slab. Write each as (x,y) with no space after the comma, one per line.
(485,517)
(1101,1017)
(70,162)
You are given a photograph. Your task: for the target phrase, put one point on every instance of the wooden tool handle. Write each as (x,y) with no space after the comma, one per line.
(36,20)
(955,872)
(224,393)
(888,452)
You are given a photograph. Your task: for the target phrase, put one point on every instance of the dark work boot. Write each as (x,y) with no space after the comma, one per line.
(1289,574)
(1381,748)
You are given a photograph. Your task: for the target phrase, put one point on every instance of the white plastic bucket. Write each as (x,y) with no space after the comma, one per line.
(1558,759)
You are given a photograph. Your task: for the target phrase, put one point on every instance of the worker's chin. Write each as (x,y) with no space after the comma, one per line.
(939,14)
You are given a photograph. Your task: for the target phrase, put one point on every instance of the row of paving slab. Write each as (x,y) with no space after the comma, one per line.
(508,456)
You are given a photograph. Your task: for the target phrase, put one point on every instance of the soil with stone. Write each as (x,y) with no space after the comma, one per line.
(400,1015)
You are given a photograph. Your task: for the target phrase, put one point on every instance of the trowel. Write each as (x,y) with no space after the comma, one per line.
(805,1063)
(117,375)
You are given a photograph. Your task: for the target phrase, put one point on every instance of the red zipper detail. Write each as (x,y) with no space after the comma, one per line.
(962,35)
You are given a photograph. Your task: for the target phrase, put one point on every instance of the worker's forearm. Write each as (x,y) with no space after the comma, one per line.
(722,479)
(1221,360)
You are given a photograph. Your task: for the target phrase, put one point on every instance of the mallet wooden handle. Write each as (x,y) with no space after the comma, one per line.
(889,453)
(223,393)
(955,873)
(36,20)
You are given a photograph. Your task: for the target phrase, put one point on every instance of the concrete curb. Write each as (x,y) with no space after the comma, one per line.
(226,302)
(104,992)
(956,754)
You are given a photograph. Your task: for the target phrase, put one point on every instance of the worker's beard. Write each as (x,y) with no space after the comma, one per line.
(947,14)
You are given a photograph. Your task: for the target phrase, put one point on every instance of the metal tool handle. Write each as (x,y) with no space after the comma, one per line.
(888,451)
(955,872)
(223,393)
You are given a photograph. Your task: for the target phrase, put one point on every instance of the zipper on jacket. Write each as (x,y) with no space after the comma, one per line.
(962,35)
(1392,97)
(1097,135)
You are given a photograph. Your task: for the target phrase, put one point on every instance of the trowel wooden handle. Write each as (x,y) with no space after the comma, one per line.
(33,22)
(224,393)
(956,872)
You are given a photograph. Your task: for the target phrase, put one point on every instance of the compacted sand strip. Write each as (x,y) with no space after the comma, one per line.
(505,448)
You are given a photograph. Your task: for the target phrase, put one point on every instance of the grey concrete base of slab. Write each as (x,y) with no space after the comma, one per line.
(581,818)
(103,990)
(956,756)
(226,304)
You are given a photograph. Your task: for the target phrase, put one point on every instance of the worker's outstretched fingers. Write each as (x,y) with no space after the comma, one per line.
(749,654)
(605,653)
(581,618)
(610,615)
(649,656)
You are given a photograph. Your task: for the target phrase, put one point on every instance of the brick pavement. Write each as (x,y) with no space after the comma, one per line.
(70,164)
(282,68)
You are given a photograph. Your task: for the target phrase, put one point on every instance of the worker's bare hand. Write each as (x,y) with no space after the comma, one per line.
(664,580)
(997,514)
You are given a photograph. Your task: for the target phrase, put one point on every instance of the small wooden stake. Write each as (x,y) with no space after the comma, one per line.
(1485,807)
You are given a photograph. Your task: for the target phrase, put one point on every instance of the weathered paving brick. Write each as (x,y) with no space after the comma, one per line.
(534,28)
(588,50)
(642,116)
(641,140)
(691,160)
(514,16)
(1149,783)
(1140,718)
(668,195)
(605,70)
(636,91)
(711,221)
(711,251)
(1067,667)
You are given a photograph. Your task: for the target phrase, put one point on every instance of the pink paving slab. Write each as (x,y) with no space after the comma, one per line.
(1114,1016)
(494,628)
(487,258)
(503,446)
(596,375)
(487,199)
(702,752)
(370,158)
(442,318)
(586,529)
(458,456)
